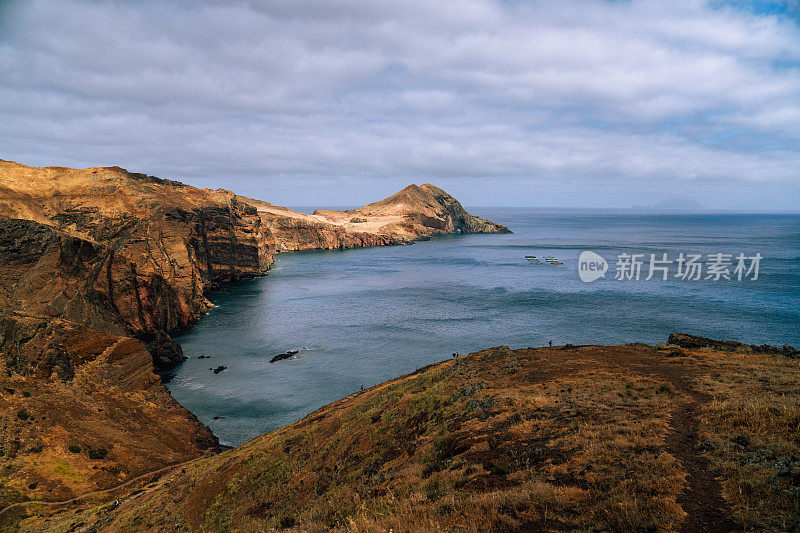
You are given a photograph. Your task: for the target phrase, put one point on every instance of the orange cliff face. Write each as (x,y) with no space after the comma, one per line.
(98,267)
(159,243)
(418,211)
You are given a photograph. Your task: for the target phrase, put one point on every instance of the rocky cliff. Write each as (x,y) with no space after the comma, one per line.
(98,267)
(151,246)
(416,212)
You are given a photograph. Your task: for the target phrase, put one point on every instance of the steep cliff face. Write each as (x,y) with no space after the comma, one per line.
(147,249)
(98,267)
(71,374)
(295,234)
(48,274)
(416,212)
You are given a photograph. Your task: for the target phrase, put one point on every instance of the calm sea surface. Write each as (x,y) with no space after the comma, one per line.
(363,316)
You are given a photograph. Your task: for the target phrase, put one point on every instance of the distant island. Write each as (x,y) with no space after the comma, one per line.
(675,204)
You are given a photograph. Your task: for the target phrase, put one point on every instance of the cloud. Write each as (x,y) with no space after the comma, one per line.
(266,96)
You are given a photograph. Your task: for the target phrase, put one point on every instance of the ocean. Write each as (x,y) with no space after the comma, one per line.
(360,317)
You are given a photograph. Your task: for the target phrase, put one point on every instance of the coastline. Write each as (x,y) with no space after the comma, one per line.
(101,265)
(166,374)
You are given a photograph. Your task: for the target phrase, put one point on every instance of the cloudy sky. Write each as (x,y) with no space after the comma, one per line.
(500,102)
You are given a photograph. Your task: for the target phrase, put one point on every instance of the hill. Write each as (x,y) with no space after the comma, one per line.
(631,437)
(416,211)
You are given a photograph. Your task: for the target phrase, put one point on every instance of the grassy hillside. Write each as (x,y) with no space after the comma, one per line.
(618,438)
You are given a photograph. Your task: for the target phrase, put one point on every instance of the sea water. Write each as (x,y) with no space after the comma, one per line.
(360,317)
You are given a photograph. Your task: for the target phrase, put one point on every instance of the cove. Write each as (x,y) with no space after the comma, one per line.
(360,317)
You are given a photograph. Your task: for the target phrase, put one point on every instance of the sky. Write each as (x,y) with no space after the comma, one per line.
(554,103)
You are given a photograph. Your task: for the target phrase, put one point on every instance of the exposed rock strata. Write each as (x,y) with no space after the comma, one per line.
(416,212)
(691,341)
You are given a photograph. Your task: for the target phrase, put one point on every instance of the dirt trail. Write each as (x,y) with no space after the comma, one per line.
(99,492)
(702,499)
(706,509)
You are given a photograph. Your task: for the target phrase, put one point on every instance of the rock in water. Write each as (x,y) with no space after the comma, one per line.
(165,351)
(693,342)
(285,355)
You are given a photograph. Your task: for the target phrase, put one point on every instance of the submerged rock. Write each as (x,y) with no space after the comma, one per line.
(286,355)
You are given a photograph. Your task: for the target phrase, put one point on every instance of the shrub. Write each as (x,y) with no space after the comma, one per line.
(287,522)
(433,490)
(99,453)
(74,448)
(444,509)
(22,414)
(356,220)
(500,467)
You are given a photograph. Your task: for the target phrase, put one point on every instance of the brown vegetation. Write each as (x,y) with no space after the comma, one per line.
(619,438)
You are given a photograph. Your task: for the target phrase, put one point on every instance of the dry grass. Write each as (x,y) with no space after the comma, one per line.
(502,440)
(751,430)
